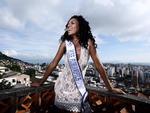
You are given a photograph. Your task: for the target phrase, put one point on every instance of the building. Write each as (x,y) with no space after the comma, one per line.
(19,78)
(3,70)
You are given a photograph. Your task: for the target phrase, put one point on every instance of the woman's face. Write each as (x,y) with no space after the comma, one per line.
(73,27)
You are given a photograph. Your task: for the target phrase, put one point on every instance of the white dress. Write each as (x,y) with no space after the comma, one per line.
(67,95)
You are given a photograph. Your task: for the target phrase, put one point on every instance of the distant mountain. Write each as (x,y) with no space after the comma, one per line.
(11,59)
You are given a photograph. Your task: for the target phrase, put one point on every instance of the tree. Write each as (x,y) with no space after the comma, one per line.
(30,71)
(14,67)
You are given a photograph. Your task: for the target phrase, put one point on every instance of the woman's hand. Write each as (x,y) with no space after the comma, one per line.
(35,84)
(117,90)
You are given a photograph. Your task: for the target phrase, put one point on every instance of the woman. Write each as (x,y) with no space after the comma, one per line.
(67,95)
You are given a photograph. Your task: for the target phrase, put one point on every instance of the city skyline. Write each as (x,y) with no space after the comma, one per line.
(30,29)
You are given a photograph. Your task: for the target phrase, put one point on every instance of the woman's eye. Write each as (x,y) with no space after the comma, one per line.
(72,22)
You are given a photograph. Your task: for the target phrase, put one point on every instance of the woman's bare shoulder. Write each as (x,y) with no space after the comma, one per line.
(90,43)
(62,44)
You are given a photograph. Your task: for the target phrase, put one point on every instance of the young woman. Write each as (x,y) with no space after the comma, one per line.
(67,95)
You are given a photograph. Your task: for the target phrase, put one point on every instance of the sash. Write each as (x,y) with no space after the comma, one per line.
(77,75)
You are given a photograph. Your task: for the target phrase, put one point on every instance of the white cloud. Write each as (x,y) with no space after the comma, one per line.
(8,20)
(36,25)
(121,19)
(18,13)
(125,20)
(104,2)
(26,54)
(99,41)
(10,52)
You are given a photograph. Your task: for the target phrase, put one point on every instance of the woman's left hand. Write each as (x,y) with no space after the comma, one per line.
(117,90)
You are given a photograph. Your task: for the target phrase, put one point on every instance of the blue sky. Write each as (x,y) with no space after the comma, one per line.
(30,29)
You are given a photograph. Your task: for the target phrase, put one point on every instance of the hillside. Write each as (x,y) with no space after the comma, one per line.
(4,57)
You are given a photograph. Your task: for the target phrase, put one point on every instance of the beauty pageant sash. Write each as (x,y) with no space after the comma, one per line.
(77,75)
(75,69)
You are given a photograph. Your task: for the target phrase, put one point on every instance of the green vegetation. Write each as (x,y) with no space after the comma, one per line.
(30,72)
(14,67)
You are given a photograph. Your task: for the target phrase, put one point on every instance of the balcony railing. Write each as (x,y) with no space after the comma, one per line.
(41,99)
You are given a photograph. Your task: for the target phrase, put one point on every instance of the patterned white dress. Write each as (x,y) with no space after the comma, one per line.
(67,95)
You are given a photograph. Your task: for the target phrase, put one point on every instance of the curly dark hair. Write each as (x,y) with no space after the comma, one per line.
(84,32)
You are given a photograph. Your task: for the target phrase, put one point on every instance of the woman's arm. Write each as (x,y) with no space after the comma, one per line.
(53,64)
(100,68)
(98,65)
